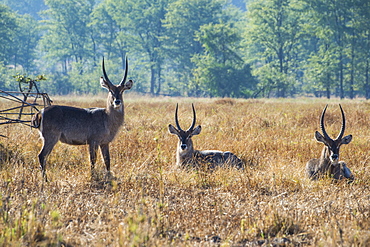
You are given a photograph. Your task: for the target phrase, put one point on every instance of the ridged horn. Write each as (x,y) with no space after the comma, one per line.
(194,118)
(176,118)
(105,76)
(343,125)
(322,125)
(125,76)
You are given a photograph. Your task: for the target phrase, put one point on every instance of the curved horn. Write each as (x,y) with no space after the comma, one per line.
(322,126)
(105,76)
(125,76)
(176,118)
(343,124)
(194,118)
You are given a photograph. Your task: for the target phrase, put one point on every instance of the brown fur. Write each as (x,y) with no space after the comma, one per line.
(328,164)
(95,127)
(187,157)
(36,120)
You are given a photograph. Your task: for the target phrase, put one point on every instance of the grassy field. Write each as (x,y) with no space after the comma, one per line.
(152,203)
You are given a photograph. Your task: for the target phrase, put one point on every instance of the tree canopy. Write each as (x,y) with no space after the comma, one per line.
(208,48)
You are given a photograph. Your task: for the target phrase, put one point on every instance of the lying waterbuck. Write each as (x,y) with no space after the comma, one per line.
(187,157)
(95,127)
(328,164)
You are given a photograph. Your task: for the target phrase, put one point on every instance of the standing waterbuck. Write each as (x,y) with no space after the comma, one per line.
(95,127)
(187,157)
(328,164)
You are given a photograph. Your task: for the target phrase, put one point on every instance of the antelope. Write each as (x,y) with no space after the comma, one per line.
(95,127)
(187,157)
(328,164)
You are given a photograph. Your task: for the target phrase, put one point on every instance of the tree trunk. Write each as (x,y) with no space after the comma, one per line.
(159,80)
(152,79)
(367,86)
(328,87)
(352,72)
(341,88)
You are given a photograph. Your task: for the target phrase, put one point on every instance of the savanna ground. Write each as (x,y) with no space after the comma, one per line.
(152,203)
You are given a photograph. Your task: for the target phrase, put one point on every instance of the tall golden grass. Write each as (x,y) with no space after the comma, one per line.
(152,203)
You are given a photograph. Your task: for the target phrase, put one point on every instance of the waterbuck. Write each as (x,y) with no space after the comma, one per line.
(328,164)
(187,157)
(95,127)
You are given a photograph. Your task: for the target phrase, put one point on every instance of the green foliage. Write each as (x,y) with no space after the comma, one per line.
(85,78)
(143,20)
(26,38)
(6,78)
(273,36)
(183,20)
(220,72)
(186,40)
(213,79)
(342,43)
(27,80)
(109,33)
(191,48)
(8,23)
(27,224)
(69,36)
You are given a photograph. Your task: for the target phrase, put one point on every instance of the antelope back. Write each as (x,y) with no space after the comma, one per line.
(340,170)
(96,127)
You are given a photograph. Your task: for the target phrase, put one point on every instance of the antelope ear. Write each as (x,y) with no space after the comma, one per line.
(127,85)
(319,137)
(173,130)
(104,83)
(346,139)
(196,131)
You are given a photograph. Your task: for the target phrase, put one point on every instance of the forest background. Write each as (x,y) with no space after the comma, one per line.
(198,48)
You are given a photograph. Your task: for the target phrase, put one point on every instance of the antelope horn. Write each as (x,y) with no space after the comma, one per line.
(105,76)
(176,118)
(194,119)
(322,125)
(125,76)
(343,125)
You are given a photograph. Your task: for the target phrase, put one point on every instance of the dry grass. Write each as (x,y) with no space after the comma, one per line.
(151,203)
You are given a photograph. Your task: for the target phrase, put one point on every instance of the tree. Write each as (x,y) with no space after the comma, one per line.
(143,19)
(220,71)
(182,20)
(364,59)
(359,52)
(27,36)
(333,19)
(69,36)
(8,25)
(273,36)
(111,36)
(319,72)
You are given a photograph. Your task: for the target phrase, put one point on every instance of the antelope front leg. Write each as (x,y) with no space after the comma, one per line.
(42,161)
(48,145)
(92,148)
(104,148)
